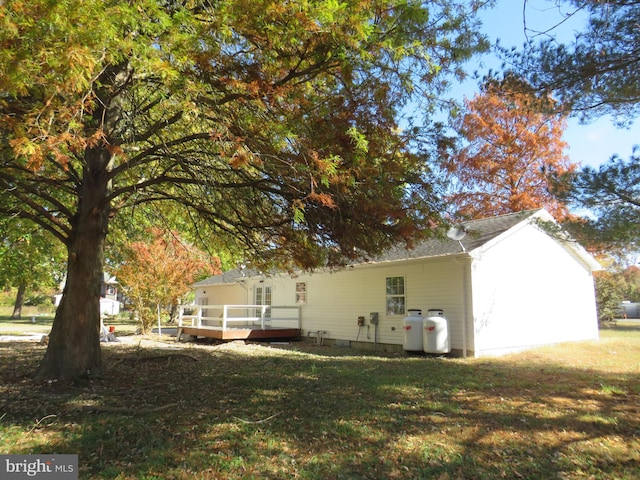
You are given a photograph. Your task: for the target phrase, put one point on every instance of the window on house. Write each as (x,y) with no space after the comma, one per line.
(396,300)
(263,297)
(301,293)
(204,301)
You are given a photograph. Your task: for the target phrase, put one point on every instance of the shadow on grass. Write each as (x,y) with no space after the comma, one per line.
(259,412)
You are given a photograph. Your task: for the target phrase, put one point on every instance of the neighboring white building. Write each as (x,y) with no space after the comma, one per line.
(508,285)
(109,297)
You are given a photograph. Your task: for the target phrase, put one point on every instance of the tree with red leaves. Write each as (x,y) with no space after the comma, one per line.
(160,272)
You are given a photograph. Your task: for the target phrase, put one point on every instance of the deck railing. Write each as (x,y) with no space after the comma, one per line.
(239,316)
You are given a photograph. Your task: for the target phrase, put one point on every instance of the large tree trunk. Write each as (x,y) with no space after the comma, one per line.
(17,308)
(74,342)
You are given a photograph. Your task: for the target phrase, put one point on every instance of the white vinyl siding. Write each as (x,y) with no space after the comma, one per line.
(220,295)
(521,289)
(521,300)
(340,297)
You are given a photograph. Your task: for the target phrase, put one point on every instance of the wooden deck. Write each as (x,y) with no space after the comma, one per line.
(240,322)
(240,333)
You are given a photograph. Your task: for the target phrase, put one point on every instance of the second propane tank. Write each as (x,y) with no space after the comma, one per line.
(435,332)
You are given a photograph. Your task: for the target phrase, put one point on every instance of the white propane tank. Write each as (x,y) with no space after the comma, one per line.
(435,332)
(412,325)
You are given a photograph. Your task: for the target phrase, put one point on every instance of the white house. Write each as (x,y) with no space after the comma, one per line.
(109,297)
(507,285)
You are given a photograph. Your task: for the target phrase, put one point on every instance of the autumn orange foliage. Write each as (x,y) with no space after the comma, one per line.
(512,148)
(161,272)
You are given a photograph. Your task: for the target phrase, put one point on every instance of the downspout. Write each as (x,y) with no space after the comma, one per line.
(465,300)
(375,338)
(465,307)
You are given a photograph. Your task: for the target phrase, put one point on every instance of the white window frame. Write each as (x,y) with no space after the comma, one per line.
(301,293)
(391,309)
(263,295)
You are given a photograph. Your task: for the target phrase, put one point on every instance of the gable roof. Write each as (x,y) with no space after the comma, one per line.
(230,276)
(479,233)
(483,231)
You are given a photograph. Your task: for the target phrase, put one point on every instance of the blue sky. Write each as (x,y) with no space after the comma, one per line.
(590,144)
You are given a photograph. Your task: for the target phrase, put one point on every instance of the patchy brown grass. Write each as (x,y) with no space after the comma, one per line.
(234,411)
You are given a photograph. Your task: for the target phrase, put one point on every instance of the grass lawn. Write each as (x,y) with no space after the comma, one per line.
(235,411)
(33,322)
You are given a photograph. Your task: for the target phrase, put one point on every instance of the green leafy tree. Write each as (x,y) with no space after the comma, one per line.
(30,258)
(612,193)
(137,223)
(631,276)
(598,73)
(610,289)
(273,122)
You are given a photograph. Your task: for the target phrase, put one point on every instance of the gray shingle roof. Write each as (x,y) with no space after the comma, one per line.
(230,276)
(479,232)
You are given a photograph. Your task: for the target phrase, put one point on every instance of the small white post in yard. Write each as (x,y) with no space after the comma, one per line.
(159,325)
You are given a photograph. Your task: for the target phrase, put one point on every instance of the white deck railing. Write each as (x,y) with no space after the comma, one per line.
(239,316)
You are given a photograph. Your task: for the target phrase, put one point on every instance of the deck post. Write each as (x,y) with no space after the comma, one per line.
(299,317)
(263,310)
(224,317)
(199,316)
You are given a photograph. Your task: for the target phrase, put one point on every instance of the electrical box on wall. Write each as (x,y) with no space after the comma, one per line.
(373,318)
(361,321)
